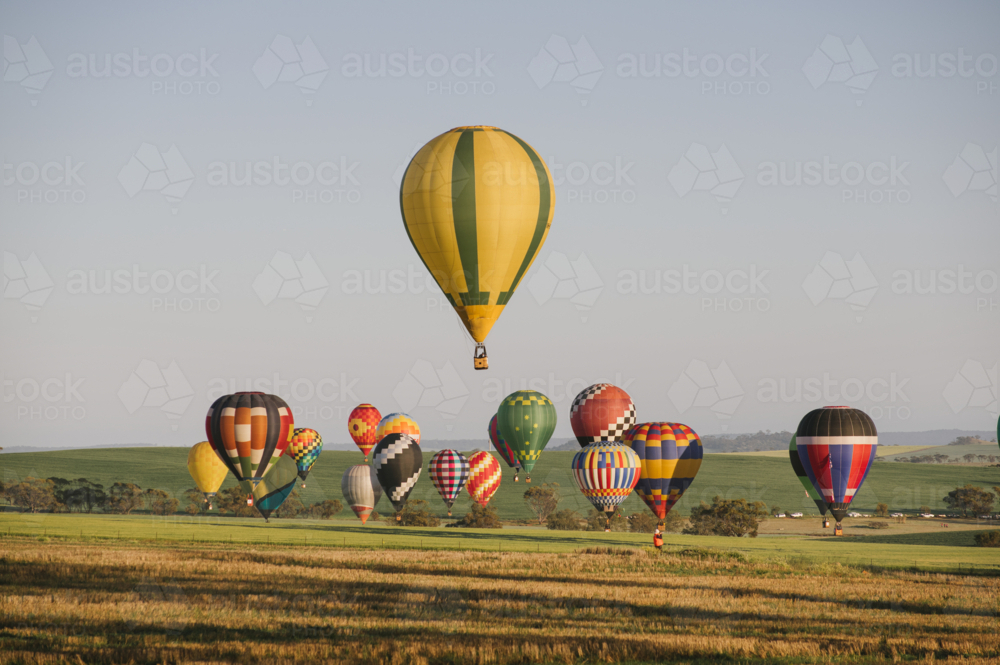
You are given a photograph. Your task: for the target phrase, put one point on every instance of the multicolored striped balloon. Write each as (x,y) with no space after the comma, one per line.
(361,490)
(398,423)
(305,447)
(606,473)
(602,412)
(837,446)
(449,470)
(670,455)
(484,477)
(501,446)
(250,431)
(362,424)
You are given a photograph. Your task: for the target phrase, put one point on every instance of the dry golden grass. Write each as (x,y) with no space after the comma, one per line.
(65,602)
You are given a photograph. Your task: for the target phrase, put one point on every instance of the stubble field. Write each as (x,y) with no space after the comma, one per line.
(106,603)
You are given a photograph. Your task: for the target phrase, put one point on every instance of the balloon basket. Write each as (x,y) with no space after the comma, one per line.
(250,499)
(826,524)
(399,518)
(449,513)
(479,360)
(303,485)
(838,530)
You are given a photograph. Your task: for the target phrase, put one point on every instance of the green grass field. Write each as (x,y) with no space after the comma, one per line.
(905,487)
(101,588)
(941,552)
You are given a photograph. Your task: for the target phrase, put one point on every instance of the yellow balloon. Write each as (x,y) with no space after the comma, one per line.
(206,468)
(477,203)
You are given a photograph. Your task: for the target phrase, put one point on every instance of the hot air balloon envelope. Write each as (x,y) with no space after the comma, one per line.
(526,420)
(361,490)
(477,203)
(250,432)
(606,472)
(837,446)
(397,461)
(305,447)
(449,470)
(362,425)
(484,477)
(398,423)
(206,469)
(602,412)
(670,455)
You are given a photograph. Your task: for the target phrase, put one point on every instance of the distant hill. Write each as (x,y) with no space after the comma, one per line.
(725,443)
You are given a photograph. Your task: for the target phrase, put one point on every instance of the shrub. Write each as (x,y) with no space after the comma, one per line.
(598,519)
(970,499)
(123,498)
(878,524)
(291,507)
(564,520)
(161,503)
(727,517)
(642,522)
(414,513)
(33,494)
(543,500)
(234,500)
(324,510)
(673,522)
(988,539)
(480,518)
(882,510)
(195,501)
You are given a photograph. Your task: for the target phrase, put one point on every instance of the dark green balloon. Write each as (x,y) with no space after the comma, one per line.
(526,420)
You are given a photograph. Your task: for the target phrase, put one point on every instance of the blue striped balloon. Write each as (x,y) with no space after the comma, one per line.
(606,473)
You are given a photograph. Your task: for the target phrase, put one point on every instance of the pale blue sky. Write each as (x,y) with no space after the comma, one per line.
(940,347)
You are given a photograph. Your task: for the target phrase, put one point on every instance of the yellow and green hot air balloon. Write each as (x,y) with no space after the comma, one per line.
(477,203)
(206,469)
(526,420)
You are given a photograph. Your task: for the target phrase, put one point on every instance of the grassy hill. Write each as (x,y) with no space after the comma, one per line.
(904,487)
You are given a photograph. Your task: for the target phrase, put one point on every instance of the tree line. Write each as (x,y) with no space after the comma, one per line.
(59,495)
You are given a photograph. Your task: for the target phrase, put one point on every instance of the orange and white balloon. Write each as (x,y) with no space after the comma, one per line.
(484,477)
